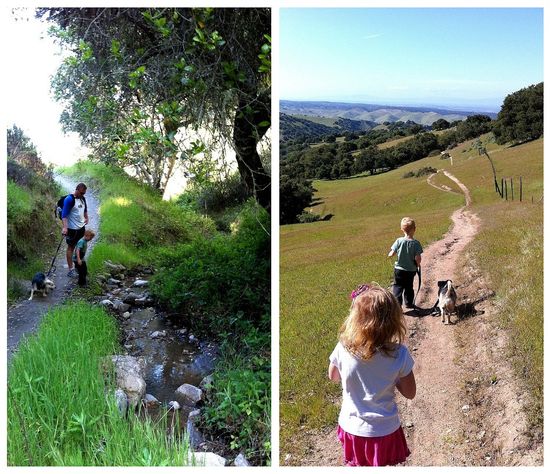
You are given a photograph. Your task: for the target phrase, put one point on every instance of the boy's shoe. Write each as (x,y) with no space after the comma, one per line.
(72,273)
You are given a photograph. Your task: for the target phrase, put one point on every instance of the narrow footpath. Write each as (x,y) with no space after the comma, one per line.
(25,316)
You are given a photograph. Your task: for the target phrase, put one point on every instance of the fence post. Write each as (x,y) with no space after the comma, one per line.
(512,187)
(520,189)
(502,187)
(506,189)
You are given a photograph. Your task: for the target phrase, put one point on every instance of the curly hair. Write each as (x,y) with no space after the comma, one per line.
(375,323)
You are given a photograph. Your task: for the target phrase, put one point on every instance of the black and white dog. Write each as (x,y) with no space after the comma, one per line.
(41,283)
(446,300)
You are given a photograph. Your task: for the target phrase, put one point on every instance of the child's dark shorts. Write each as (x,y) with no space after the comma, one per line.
(74,235)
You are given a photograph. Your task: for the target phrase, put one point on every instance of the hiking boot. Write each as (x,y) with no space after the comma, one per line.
(72,273)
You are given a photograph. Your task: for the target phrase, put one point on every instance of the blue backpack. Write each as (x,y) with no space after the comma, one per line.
(61,202)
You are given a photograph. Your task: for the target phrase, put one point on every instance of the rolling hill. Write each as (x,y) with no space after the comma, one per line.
(374,113)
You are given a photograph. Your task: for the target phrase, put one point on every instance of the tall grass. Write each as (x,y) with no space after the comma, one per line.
(320,263)
(61,407)
(32,232)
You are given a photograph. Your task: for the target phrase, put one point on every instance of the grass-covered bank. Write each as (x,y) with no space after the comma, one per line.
(32,232)
(218,282)
(61,406)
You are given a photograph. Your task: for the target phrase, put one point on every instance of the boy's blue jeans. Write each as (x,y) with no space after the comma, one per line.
(403,284)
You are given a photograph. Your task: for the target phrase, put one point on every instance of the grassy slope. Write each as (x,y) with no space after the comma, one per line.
(320,263)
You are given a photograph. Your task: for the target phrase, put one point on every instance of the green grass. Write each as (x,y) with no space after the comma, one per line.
(320,263)
(135,221)
(61,408)
(32,232)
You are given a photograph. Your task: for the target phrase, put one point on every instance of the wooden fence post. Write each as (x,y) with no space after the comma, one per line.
(502,188)
(512,187)
(520,189)
(506,189)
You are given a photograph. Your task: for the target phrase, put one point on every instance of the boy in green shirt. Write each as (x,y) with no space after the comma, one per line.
(408,251)
(78,256)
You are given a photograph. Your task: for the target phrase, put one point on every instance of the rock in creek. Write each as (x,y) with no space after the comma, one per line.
(173,405)
(130,298)
(241,461)
(150,401)
(129,377)
(205,459)
(189,394)
(140,283)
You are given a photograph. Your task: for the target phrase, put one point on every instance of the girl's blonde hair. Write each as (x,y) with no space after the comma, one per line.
(375,323)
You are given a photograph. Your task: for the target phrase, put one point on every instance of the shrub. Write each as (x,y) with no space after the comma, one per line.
(238,399)
(306,217)
(213,197)
(220,280)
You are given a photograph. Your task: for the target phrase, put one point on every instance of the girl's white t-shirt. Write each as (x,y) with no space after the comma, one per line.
(368,390)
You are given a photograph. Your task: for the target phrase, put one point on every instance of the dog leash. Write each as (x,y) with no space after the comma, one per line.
(419,283)
(52,266)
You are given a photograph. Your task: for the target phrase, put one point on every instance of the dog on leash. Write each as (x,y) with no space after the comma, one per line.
(446,300)
(41,283)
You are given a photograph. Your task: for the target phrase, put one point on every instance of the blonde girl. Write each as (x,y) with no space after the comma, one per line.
(370,361)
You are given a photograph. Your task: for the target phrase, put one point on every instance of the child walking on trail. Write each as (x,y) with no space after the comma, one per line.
(78,256)
(370,361)
(408,251)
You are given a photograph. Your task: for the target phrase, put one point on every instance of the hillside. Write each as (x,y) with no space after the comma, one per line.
(486,406)
(374,113)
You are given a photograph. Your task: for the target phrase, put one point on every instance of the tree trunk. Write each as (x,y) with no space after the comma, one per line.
(249,127)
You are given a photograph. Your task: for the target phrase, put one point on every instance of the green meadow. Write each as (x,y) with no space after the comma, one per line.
(322,262)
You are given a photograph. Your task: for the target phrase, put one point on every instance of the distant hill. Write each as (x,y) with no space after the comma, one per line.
(374,113)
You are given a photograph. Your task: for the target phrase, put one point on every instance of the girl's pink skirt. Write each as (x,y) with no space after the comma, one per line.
(386,450)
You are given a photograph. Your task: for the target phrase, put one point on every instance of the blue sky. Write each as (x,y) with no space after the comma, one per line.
(456,57)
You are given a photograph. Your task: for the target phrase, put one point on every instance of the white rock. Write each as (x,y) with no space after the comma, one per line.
(140,283)
(205,459)
(107,303)
(126,315)
(173,405)
(465,407)
(189,393)
(157,334)
(129,377)
(241,461)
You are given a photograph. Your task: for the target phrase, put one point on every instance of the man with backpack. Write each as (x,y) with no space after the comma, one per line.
(74,215)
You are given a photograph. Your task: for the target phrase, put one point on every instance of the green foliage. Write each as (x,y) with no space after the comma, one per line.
(440,124)
(522,116)
(222,280)
(61,407)
(424,171)
(307,217)
(295,195)
(238,400)
(19,201)
(32,231)
(213,64)
(214,196)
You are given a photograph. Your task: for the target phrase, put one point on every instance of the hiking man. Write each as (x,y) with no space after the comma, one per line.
(75,218)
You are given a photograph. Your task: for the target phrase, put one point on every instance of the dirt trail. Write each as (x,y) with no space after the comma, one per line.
(25,316)
(467,411)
